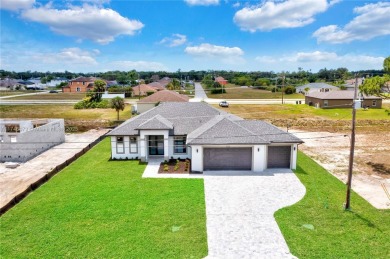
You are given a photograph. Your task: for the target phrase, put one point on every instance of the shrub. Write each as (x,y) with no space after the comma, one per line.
(218,91)
(86,104)
(289,89)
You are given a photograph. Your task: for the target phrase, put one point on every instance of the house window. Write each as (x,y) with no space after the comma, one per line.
(83,83)
(120,147)
(373,102)
(13,139)
(180,145)
(326,103)
(78,89)
(133,145)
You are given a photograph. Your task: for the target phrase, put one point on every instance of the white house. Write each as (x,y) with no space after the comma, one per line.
(211,138)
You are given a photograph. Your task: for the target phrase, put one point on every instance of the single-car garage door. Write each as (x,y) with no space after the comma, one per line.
(227,159)
(279,156)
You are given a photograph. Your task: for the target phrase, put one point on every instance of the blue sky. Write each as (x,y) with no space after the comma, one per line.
(279,35)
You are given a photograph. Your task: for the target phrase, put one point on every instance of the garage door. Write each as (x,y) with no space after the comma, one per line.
(227,159)
(279,157)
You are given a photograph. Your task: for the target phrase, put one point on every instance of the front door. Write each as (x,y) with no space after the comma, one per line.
(156,145)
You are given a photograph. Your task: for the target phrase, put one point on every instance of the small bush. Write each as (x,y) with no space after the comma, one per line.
(289,89)
(218,91)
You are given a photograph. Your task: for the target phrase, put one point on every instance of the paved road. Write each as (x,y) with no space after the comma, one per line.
(12,96)
(200,94)
(240,208)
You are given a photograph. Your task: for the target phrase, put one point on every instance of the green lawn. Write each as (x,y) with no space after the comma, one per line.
(292,111)
(98,208)
(363,232)
(250,93)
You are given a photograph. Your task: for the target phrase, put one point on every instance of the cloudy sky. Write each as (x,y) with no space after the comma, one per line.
(265,35)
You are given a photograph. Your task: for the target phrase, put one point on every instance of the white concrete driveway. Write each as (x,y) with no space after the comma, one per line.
(240,208)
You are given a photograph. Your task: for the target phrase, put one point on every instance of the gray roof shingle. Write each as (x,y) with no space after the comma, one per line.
(204,124)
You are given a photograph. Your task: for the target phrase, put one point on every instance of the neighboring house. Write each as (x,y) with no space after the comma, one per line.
(143,90)
(21,140)
(316,87)
(111,83)
(80,84)
(10,84)
(156,85)
(221,80)
(211,138)
(341,99)
(151,101)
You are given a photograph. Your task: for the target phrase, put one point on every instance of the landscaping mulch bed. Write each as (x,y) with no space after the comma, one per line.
(175,166)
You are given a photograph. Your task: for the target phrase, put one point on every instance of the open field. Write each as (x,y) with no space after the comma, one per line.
(75,120)
(318,227)
(97,208)
(250,93)
(51,96)
(8,92)
(311,119)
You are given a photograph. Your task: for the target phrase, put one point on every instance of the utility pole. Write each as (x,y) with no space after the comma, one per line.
(352,149)
(283,88)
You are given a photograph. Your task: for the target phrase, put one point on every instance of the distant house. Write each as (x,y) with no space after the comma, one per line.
(158,86)
(315,87)
(143,90)
(10,84)
(340,99)
(221,80)
(151,101)
(21,140)
(165,81)
(80,84)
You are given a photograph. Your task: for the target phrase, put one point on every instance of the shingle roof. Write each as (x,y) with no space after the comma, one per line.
(204,124)
(157,85)
(157,122)
(338,95)
(84,79)
(165,96)
(144,89)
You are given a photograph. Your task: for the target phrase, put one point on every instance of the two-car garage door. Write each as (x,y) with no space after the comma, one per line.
(227,159)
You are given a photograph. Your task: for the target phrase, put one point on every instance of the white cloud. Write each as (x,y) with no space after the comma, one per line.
(202,2)
(101,25)
(15,5)
(208,51)
(70,56)
(175,40)
(236,5)
(318,59)
(275,14)
(372,20)
(137,65)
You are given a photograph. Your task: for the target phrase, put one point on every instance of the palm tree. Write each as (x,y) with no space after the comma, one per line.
(118,104)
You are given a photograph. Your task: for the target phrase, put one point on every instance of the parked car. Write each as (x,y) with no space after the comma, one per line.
(53,92)
(224,104)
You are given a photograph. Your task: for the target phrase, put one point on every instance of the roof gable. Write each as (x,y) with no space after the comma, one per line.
(157,122)
(165,96)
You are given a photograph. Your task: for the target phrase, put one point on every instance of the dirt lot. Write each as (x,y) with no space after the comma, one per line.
(15,181)
(371,165)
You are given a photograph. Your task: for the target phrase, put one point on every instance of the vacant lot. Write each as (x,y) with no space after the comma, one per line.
(51,96)
(311,119)
(250,93)
(318,227)
(8,92)
(75,120)
(97,208)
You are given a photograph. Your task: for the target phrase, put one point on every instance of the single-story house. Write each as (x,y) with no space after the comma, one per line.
(143,90)
(80,84)
(157,86)
(221,80)
(316,87)
(211,138)
(341,99)
(151,101)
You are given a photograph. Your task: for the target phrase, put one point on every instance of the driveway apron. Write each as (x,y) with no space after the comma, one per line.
(240,208)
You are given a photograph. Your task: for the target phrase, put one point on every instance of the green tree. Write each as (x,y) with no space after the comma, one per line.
(386,65)
(98,90)
(117,103)
(377,85)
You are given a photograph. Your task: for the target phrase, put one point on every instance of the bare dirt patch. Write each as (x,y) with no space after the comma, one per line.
(371,164)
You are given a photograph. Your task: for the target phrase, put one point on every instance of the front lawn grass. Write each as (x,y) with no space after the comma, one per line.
(251,93)
(97,208)
(363,232)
